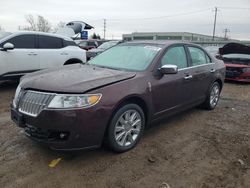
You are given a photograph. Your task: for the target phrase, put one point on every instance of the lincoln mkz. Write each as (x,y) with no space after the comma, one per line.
(115,95)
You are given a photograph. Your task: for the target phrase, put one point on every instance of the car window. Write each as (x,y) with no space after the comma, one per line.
(197,55)
(91,43)
(69,43)
(23,41)
(127,57)
(175,56)
(4,34)
(83,44)
(48,42)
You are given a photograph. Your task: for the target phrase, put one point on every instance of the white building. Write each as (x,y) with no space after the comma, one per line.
(185,36)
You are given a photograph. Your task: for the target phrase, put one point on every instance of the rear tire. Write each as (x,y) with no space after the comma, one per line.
(212,97)
(126,128)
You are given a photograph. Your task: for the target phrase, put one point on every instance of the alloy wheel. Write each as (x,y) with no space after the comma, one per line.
(128,128)
(214,95)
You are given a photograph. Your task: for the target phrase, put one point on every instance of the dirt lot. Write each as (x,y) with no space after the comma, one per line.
(194,149)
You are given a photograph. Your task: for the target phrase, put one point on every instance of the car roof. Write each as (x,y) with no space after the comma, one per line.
(160,42)
(41,33)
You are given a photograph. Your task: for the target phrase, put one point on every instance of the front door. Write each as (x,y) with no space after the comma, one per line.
(23,58)
(171,91)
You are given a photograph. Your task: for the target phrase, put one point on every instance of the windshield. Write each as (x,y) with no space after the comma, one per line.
(85,43)
(107,45)
(4,34)
(127,57)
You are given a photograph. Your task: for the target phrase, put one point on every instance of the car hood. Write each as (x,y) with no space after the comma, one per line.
(73,78)
(234,48)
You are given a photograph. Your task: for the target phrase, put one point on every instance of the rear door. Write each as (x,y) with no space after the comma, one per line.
(51,51)
(23,58)
(172,91)
(202,70)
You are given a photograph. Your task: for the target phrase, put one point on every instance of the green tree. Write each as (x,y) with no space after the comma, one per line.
(94,36)
(98,36)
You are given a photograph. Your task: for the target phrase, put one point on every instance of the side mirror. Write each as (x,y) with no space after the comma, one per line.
(8,46)
(169,69)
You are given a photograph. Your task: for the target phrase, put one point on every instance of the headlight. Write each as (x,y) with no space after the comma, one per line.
(74,101)
(18,89)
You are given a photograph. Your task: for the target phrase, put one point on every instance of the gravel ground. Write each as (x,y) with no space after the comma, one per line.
(197,148)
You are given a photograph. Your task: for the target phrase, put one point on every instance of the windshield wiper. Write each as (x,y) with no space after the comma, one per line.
(106,67)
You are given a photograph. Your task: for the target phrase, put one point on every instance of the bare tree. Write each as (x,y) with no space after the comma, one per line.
(32,23)
(59,25)
(43,24)
(36,24)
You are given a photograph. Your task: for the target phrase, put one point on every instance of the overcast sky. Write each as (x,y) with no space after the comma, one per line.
(126,16)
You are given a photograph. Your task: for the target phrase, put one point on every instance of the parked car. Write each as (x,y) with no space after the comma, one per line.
(116,94)
(87,44)
(94,52)
(24,52)
(237,60)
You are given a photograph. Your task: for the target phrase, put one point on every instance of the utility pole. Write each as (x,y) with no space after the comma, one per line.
(104,28)
(226,31)
(215,17)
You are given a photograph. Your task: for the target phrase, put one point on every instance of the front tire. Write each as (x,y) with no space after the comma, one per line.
(126,128)
(213,96)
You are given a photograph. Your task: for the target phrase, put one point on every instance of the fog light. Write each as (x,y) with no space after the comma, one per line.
(62,135)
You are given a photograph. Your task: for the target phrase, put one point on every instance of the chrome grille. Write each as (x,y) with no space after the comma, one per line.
(33,102)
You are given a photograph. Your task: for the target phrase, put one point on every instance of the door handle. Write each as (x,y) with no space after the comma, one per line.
(64,53)
(188,77)
(212,70)
(32,53)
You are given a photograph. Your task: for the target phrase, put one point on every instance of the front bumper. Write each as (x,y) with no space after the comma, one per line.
(237,74)
(237,79)
(65,129)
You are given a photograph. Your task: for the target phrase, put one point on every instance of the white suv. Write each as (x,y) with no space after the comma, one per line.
(26,51)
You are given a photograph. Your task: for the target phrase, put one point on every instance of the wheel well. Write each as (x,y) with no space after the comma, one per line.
(220,83)
(72,61)
(135,100)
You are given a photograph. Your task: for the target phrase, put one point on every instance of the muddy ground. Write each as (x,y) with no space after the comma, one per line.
(197,148)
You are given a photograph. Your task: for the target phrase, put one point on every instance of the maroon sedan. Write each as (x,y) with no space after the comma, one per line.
(116,95)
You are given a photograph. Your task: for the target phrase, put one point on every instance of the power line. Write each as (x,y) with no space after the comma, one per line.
(240,8)
(161,17)
(168,16)
(97,20)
